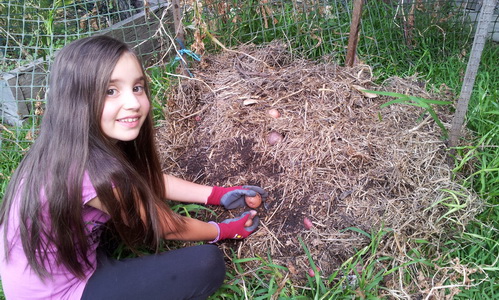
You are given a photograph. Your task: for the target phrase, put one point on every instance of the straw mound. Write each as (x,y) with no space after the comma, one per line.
(343,162)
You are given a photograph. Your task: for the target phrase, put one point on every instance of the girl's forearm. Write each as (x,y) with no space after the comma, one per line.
(185,191)
(194,230)
(181,190)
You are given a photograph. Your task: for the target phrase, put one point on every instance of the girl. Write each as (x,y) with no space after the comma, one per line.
(94,164)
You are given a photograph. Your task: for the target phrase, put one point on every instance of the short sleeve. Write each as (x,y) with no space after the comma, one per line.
(88,190)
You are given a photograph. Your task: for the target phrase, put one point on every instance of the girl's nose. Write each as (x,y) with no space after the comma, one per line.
(131,101)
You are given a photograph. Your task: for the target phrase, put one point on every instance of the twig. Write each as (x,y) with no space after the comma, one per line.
(191,78)
(269,231)
(15,40)
(13,136)
(287,96)
(216,41)
(193,114)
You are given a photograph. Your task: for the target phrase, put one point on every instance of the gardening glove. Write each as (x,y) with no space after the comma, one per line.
(234,228)
(233,197)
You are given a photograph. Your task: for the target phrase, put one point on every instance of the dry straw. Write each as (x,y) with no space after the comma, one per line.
(343,162)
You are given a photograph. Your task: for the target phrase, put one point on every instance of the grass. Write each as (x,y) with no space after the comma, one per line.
(263,280)
(160,82)
(479,163)
(311,30)
(14,142)
(426,104)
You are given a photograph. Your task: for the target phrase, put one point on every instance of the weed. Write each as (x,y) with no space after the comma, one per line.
(426,104)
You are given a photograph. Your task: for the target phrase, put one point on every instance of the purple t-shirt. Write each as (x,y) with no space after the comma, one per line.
(18,279)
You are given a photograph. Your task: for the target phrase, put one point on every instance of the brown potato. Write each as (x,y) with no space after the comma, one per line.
(253,202)
(274,113)
(307,223)
(274,137)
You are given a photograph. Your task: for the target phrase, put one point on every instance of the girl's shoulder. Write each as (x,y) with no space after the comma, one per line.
(87,189)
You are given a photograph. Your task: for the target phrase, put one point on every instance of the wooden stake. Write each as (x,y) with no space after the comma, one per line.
(177,21)
(353,38)
(484,22)
(179,34)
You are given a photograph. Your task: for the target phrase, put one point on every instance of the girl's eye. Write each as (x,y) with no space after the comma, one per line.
(111,92)
(138,89)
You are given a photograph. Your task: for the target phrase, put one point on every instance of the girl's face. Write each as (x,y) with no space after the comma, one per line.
(126,106)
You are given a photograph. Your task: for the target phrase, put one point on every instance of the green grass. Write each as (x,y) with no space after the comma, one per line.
(254,278)
(479,163)
(436,42)
(310,30)
(14,143)
(426,104)
(261,278)
(160,82)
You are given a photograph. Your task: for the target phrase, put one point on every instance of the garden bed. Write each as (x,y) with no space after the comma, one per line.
(344,163)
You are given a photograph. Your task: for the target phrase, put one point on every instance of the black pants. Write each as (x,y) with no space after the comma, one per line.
(188,273)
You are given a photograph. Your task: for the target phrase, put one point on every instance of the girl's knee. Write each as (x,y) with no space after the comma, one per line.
(211,268)
(213,260)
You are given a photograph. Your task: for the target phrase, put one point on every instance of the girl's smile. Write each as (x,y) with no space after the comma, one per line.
(130,121)
(126,106)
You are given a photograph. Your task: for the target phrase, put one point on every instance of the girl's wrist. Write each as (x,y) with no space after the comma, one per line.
(215,195)
(210,195)
(218,232)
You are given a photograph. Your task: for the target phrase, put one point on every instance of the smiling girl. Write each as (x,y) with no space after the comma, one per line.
(95,166)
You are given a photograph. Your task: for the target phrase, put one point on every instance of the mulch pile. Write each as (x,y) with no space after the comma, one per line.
(343,162)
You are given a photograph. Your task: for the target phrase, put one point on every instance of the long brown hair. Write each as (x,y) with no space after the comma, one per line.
(126,175)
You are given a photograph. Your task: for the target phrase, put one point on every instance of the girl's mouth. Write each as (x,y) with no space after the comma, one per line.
(128,120)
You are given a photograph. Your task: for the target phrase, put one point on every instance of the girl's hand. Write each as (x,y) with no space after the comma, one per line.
(233,197)
(237,228)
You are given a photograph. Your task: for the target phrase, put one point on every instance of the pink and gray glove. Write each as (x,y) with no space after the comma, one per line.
(233,197)
(234,228)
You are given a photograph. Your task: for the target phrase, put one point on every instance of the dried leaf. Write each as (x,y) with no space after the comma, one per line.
(362,90)
(249,102)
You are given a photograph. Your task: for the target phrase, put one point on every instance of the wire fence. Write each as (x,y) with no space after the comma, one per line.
(32,31)
(394,32)
(416,29)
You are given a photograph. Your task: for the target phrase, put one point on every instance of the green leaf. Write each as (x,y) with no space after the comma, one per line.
(430,101)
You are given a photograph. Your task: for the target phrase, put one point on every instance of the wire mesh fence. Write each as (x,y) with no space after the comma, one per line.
(312,28)
(32,31)
(394,32)
(416,28)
